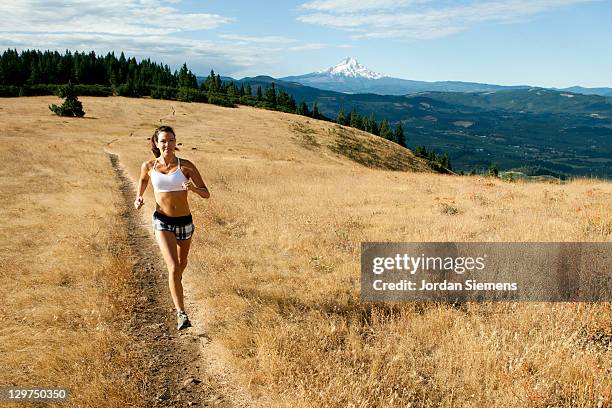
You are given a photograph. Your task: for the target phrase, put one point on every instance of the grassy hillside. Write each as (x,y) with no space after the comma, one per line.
(67,289)
(537,131)
(274,270)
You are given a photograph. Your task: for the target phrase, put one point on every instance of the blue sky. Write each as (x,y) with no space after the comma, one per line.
(552,43)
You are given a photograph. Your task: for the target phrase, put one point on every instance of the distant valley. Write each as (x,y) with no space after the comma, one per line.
(534,130)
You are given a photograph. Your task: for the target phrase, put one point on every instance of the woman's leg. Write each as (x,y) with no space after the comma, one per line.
(168,245)
(182,247)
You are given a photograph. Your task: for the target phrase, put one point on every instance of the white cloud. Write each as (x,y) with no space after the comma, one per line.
(143,29)
(121,17)
(226,56)
(410,20)
(200,55)
(353,6)
(140,28)
(258,40)
(312,46)
(162,45)
(283,43)
(316,46)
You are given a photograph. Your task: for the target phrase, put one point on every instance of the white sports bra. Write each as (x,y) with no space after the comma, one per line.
(164,183)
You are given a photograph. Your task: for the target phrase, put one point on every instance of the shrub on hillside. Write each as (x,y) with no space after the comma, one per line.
(132,89)
(9,91)
(186,94)
(93,90)
(52,89)
(247,100)
(38,90)
(493,171)
(221,101)
(164,92)
(71,106)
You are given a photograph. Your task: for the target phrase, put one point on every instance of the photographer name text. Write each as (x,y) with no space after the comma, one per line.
(425,286)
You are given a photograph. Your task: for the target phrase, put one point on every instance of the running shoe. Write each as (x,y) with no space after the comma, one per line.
(183,321)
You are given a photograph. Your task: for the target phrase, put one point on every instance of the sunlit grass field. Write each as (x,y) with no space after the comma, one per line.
(66,283)
(274,268)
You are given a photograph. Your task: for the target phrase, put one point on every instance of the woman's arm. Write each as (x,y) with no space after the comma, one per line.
(195,182)
(143,182)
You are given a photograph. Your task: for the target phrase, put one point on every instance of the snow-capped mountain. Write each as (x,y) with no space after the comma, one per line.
(349,67)
(349,76)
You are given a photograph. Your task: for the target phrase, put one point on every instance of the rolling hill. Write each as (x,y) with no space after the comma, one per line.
(534,130)
(273,280)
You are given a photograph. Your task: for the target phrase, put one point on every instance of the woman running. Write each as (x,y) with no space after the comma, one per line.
(171,179)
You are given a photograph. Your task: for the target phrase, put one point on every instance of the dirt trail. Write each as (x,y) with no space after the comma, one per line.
(185,368)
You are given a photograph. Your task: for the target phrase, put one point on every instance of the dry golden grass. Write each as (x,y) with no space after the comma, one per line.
(65,268)
(275,258)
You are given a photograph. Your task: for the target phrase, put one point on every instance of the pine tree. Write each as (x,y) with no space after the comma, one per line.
(186,79)
(271,95)
(373,126)
(248,90)
(385,130)
(341,119)
(303,109)
(366,124)
(71,106)
(113,79)
(354,120)
(399,135)
(315,110)
(210,83)
(292,103)
(493,171)
(35,75)
(259,94)
(285,101)
(420,151)
(219,84)
(232,91)
(431,156)
(445,161)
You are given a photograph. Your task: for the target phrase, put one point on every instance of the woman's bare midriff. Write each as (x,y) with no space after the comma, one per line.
(173,203)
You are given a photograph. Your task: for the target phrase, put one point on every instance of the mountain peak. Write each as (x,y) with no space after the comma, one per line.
(349,67)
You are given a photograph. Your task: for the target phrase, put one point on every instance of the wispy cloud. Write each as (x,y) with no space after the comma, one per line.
(281,43)
(419,19)
(352,6)
(141,28)
(317,46)
(120,17)
(200,55)
(158,29)
(312,46)
(258,40)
